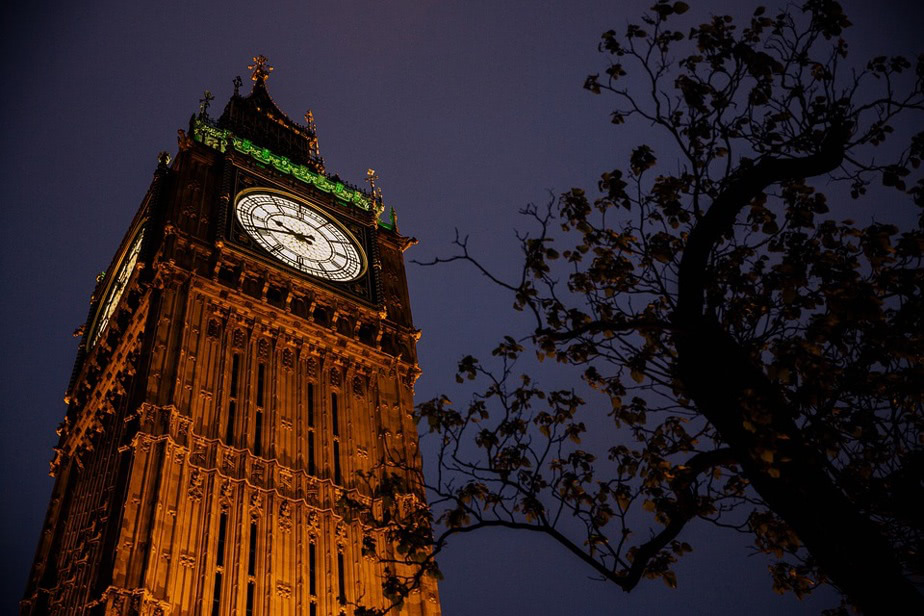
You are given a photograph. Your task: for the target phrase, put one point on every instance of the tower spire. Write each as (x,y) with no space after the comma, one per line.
(257,118)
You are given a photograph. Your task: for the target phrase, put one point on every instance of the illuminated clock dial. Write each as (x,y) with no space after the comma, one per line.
(300,236)
(116,288)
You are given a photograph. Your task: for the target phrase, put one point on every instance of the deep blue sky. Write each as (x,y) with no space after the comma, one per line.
(467,111)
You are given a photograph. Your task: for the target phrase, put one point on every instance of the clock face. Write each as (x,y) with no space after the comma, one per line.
(300,236)
(116,288)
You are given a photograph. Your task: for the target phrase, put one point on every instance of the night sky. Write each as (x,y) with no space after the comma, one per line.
(467,111)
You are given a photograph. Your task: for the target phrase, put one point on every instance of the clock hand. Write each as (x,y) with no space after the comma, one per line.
(298,235)
(308,239)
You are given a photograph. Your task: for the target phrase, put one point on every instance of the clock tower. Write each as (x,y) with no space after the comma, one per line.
(247,366)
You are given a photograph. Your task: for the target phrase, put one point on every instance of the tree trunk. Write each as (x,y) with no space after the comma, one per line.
(730,391)
(720,377)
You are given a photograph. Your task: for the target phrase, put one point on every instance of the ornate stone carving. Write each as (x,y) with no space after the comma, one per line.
(228,462)
(256,505)
(335,376)
(179,424)
(155,610)
(257,473)
(285,517)
(408,381)
(226,494)
(313,522)
(237,339)
(311,496)
(195,485)
(341,532)
(197,457)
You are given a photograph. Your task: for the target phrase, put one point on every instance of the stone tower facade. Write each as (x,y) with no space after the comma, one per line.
(248,354)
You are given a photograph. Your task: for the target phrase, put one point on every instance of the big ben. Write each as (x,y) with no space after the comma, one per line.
(248,355)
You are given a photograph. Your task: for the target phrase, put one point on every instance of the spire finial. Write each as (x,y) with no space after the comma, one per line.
(261,68)
(313,135)
(204,103)
(238,82)
(371,177)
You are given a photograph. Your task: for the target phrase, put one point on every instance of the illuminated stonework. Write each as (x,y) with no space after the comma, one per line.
(219,416)
(218,138)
